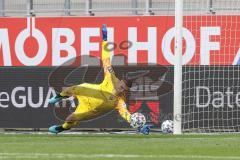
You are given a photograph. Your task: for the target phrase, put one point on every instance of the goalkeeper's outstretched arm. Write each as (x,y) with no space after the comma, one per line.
(126,115)
(121,107)
(105,53)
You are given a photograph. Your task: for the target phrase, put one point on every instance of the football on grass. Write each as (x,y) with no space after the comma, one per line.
(167,126)
(137,120)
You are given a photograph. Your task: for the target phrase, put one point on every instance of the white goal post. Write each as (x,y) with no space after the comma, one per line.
(206,70)
(178,67)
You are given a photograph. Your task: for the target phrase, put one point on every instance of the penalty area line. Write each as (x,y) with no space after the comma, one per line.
(4,155)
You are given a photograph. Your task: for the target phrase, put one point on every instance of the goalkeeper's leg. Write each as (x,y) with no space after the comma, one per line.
(83,111)
(66,93)
(71,121)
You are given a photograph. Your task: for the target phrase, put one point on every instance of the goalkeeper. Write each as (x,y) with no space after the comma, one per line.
(98,99)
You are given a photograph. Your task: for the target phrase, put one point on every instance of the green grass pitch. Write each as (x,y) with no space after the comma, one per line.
(119,147)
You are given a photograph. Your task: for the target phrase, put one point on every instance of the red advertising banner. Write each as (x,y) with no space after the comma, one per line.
(50,41)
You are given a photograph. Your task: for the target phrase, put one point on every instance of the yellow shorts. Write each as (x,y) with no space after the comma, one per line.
(93,98)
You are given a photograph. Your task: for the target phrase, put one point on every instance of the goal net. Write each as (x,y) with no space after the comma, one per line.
(210,71)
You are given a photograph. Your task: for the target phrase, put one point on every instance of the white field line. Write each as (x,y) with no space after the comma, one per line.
(109,156)
(128,133)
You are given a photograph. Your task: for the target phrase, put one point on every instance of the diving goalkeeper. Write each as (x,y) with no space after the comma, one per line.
(98,99)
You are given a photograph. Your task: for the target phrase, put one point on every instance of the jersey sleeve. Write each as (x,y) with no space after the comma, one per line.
(121,107)
(106,59)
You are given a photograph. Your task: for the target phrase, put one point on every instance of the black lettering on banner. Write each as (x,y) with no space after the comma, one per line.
(124,45)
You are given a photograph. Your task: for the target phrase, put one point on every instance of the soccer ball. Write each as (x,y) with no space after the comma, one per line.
(167,126)
(137,120)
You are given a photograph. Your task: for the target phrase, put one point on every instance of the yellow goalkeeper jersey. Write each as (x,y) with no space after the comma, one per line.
(98,99)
